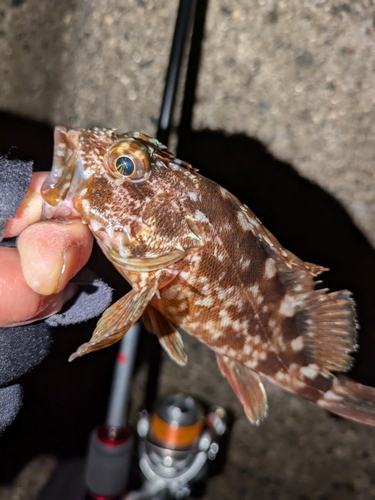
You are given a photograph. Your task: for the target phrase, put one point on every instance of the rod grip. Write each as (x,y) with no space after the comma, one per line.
(108,463)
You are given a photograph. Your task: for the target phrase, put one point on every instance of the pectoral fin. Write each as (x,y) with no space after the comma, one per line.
(248,388)
(117,319)
(167,334)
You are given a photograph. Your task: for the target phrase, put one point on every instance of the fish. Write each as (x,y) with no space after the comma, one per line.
(199,261)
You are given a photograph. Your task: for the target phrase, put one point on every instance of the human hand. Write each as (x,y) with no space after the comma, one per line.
(34,277)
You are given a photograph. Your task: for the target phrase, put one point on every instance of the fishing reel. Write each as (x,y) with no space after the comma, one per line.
(175,443)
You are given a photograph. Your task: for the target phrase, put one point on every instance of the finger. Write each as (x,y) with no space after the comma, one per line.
(52,253)
(19,303)
(30,209)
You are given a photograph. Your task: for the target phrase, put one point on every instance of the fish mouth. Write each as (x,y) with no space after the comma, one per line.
(65,161)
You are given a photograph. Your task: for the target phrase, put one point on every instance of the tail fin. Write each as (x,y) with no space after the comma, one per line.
(350,400)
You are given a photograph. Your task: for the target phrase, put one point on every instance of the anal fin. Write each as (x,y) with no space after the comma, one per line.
(168,336)
(247,386)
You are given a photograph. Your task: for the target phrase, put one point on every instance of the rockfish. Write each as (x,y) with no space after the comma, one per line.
(200,261)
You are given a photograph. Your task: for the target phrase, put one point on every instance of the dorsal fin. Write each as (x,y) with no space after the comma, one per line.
(269,243)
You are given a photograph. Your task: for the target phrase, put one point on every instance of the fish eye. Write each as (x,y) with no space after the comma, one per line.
(128,159)
(125,166)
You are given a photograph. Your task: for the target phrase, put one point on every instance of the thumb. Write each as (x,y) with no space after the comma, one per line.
(52,253)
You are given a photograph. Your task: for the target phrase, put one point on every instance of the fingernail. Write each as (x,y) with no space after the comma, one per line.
(71,258)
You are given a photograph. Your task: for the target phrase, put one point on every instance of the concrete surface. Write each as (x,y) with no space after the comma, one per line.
(296,74)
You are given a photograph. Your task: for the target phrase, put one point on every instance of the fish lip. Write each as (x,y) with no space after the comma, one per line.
(66,156)
(66,177)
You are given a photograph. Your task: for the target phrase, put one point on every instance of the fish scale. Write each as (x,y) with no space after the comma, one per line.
(200,261)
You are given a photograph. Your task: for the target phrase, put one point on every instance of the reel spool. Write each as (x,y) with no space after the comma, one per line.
(176,441)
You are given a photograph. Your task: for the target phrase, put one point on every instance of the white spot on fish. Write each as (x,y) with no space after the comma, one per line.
(224,293)
(86,205)
(195,258)
(297,344)
(226,320)
(242,219)
(254,222)
(247,349)
(270,268)
(332,396)
(231,352)
(184,275)
(281,343)
(202,279)
(215,333)
(240,325)
(193,196)
(254,290)
(200,216)
(257,339)
(204,302)
(282,376)
(260,299)
(252,363)
(223,192)
(263,355)
(287,306)
(171,309)
(95,225)
(310,371)
(246,264)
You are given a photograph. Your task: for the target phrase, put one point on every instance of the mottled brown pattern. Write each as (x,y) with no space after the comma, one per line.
(200,260)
